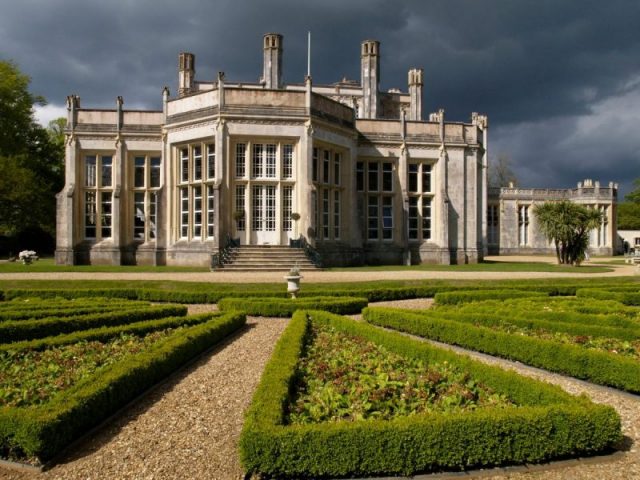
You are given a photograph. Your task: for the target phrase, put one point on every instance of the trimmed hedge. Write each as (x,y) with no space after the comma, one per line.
(103,334)
(455,298)
(43,431)
(15,330)
(547,423)
(627,297)
(596,366)
(33,314)
(278,307)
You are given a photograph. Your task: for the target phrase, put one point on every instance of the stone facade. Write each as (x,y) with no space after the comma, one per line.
(512,228)
(371,181)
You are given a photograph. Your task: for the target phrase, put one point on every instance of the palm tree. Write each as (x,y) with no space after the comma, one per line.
(568,225)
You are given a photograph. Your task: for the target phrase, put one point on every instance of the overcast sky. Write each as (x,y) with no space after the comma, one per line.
(559,80)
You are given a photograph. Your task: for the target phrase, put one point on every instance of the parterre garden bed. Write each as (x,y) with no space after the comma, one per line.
(66,365)
(343,398)
(588,337)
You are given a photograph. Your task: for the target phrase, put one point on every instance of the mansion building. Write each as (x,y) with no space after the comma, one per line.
(357,173)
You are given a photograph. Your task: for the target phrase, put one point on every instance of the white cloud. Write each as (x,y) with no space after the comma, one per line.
(44,114)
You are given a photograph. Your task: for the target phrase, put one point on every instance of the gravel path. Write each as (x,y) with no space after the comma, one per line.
(186,429)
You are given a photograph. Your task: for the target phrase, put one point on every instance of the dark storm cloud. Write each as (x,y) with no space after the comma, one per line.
(559,80)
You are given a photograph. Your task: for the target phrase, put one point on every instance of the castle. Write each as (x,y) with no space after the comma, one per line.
(356,173)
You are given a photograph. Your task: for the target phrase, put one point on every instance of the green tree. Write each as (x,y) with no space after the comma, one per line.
(629,210)
(567,225)
(31,157)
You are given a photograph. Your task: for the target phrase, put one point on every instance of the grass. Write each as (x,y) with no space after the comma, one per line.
(47,265)
(486,266)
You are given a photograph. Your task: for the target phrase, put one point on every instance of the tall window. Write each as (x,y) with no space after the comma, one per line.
(287,202)
(380,212)
(314,165)
(211,161)
(196,191)
(325,213)
(336,214)
(325,166)
(241,160)
(420,202)
(337,159)
(240,207)
(287,161)
(372,217)
(271,161)
(492,224)
(263,161)
(257,220)
(270,212)
(523,224)
(360,176)
(146,182)
(98,196)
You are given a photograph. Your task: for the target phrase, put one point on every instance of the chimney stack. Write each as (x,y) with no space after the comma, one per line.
(415,94)
(370,77)
(272,70)
(186,73)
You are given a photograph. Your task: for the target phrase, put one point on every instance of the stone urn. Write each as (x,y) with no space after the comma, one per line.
(293,281)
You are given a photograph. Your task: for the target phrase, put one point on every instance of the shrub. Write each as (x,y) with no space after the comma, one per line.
(284,307)
(14,330)
(43,431)
(548,423)
(454,298)
(627,297)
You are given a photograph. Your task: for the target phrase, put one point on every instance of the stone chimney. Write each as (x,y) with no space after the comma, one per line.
(186,73)
(415,94)
(272,69)
(370,77)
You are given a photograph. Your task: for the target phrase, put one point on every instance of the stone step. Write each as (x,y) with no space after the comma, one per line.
(277,258)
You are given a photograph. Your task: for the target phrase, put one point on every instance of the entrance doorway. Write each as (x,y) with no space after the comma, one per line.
(263,215)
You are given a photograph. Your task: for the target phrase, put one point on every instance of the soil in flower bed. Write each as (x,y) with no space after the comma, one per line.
(348,378)
(33,377)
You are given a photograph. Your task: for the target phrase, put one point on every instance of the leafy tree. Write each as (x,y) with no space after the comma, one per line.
(501,172)
(567,224)
(31,157)
(629,210)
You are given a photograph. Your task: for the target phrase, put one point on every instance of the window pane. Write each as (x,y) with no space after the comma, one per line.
(373,176)
(413,178)
(138,215)
(256,209)
(270,220)
(241,149)
(372,221)
(426,218)
(138,172)
(105,218)
(184,165)
(336,168)
(387,177)
(197,211)
(153,202)
(211,161)
(287,198)
(325,166)
(107,169)
(360,176)
(258,160)
(90,171)
(336,214)
(155,172)
(426,178)
(240,197)
(413,218)
(287,161)
(387,218)
(197,163)
(90,217)
(271,161)
(314,165)
(325,213)
(184,212)
(210,211)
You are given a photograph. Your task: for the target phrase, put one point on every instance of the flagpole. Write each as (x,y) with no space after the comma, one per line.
(309,54)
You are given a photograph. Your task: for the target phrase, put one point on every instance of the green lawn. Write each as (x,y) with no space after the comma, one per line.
(48,265)
(487,266)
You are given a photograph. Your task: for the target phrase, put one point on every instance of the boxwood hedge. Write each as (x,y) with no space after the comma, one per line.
(596,366)
(454,298)
(41,432)
(284,307)
(547,423)
(15,330)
